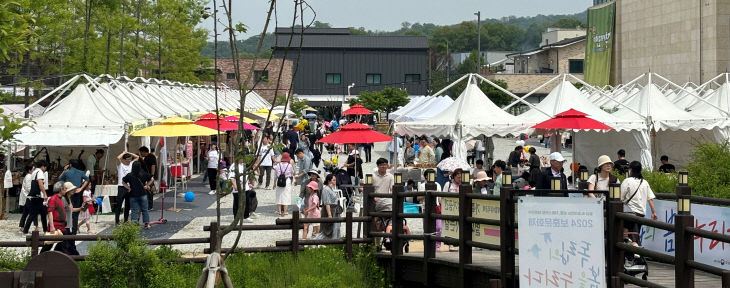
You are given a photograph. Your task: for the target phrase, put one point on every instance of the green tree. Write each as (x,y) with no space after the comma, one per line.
(295,106)
(386,100)
(14,29)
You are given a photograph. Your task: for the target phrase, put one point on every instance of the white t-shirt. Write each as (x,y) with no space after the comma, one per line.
(123,170)
(265,153)
(232,175)
(37,175)
(602,183)
(643,194)
(213,157)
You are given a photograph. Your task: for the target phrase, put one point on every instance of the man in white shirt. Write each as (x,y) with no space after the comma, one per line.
(265,162)
(124,166)
(383,183)
(213,156)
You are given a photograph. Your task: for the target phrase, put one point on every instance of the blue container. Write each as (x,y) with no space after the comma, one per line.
(410,207)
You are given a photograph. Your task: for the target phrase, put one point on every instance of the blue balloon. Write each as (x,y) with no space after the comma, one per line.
(99,201)
(189,196)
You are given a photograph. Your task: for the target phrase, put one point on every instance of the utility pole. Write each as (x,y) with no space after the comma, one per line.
(448,62)
(479,40)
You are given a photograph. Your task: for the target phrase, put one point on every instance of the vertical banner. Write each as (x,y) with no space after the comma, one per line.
(711,218)
(562,242)
(599,44)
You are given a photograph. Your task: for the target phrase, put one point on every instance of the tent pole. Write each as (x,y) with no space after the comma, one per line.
(531,92)
(511,94)
(572,145)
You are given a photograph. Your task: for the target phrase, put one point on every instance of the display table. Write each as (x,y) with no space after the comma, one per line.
(105,190)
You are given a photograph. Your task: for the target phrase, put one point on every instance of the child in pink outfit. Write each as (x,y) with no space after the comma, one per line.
(312,210)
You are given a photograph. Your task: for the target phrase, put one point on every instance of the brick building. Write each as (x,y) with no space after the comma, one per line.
(265,75)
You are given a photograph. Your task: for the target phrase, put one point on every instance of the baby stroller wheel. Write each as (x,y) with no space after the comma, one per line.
(406,248)
(644,277)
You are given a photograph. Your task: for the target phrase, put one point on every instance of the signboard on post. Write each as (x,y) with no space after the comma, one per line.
(562,242)
(484,209)
(711,218)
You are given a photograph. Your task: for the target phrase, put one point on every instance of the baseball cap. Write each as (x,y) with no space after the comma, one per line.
(557,157)
(69,186)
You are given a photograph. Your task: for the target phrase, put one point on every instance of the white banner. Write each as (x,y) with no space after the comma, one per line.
(562,242)
(710,218)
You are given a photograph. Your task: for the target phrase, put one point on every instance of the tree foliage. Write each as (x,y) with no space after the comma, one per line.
(386,100)
(295,106)
(129,37)
(14,29)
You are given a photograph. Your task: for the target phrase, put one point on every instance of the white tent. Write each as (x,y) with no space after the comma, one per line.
(414,102)
(471,115)
(426,109)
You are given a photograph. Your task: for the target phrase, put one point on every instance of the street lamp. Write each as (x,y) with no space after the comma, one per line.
(479,40)
(342,107)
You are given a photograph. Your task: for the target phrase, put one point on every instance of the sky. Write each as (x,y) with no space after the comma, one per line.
(387,15)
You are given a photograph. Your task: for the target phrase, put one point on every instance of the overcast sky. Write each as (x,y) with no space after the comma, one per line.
(387,15)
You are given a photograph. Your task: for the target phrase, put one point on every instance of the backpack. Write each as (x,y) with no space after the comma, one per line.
(281,180)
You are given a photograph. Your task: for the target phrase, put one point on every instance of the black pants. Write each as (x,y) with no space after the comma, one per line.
(36,209)
(368,149)
(67,247)
(26,210)
(212,177)
(122,197)
(267,170)
(247,209)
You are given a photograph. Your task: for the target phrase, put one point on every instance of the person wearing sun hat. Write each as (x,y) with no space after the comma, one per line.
(481,182)
(556,170)
(283,194)
(602,176)
(312,208)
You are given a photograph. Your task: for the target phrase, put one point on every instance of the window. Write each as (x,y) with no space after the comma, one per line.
(230,75)
(372,78)
(333,78)
(575,66)
(260,75)
(413,78)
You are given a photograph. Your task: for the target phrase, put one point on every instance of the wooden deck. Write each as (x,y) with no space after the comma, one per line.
(488,261)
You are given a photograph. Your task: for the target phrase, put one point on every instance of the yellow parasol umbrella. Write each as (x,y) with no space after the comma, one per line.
(231,113)
(175,127)
(263,113)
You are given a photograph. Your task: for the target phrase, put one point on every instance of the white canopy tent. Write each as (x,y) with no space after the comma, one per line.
(471,115)
(414,102)
(425,109)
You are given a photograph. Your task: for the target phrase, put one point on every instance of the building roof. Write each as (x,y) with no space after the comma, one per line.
(559,44)
(337,38)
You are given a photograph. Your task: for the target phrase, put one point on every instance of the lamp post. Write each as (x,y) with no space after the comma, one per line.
(342,108)
(479,40)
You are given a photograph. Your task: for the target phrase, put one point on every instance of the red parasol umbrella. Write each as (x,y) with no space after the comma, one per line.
(234,120)
(572,120)
(357,109)
(355,133)
(209,120)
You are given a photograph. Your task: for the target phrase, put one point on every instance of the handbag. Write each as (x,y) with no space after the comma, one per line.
(626,203)
(35,189)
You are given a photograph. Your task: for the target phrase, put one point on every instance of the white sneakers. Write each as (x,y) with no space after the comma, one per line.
(254,215)
(247,220)
(212,192)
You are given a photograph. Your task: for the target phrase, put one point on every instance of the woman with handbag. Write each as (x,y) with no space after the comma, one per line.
(331,209)
(137,182)
(37,197)
(635,192)
(23,202)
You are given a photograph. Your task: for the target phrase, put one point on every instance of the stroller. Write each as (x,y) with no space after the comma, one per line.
(385,225)
(635,264)
(343,179)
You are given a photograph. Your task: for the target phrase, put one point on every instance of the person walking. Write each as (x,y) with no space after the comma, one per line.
(38,197)
(72,173)
(534,164)
(304,165)
(602,176)
(635,193)
(124,167)
(283,190)
(331,209)
(23,202)
(367,149)
(213,156)
(58,213)
(149,165)
(137,182)
(265,162)
(312,210)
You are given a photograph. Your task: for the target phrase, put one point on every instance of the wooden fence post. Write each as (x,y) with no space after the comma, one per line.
(295,233)
(465,230)
(725,279)
(429,227)
(507,233)
(34,243)
(615,234)
(367,189)
(684,241)
(214,237)
(348,235)
(396,248)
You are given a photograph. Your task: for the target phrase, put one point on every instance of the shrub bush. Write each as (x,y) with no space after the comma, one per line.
(709,171)
(10,260)
(661,182)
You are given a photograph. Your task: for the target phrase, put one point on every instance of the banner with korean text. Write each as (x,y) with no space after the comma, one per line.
(562,242)
(484,209)
(710,218)
(599,44)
